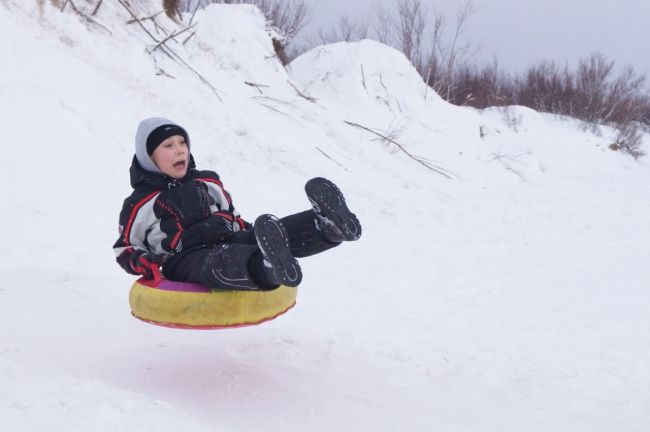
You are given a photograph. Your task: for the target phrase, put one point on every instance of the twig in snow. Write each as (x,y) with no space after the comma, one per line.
(381,81)
(443,172)
(328,157)
(158,69)
(281,113)
(150,17)
(199,3)
(363,78)
(518,173)
(189,37)
(257,86)
(273,100)
(512,158)
(301,94)
(139,21)
(275,110)
(170,52)
(84,16)
(99,3)
(174,34)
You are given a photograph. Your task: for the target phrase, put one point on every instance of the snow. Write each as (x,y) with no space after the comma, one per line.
(511,296)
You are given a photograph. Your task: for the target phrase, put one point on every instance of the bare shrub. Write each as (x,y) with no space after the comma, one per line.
(421,35)
(346,30)
(593,92)
(629,139)
(456,54)
(544,87)
(172,8)
(403,28)
(410,31)
(481,87)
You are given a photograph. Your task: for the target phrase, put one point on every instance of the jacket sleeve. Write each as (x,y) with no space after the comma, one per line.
(136,218)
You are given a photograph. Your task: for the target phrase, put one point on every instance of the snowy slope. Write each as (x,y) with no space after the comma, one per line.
(511,296)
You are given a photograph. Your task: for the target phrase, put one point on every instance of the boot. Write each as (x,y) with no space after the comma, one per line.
(273,241)
(333,218)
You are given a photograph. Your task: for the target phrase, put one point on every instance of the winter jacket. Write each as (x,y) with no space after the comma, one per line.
(170,217)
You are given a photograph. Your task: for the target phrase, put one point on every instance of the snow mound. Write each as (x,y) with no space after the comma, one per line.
(366,71)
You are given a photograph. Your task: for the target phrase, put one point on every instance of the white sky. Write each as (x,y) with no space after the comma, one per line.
(519,33)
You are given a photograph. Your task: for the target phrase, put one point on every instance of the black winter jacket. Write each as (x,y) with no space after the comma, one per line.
(171,217)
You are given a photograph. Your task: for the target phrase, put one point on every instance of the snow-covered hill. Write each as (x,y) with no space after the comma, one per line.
(501,282)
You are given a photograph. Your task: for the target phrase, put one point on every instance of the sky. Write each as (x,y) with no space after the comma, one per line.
(519,34)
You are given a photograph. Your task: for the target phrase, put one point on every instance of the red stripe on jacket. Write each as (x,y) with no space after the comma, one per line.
(134,212)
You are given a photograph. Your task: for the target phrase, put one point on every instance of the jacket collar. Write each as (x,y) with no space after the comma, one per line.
(158,181)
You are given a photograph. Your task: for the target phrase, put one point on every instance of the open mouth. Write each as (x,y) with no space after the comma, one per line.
(180,164)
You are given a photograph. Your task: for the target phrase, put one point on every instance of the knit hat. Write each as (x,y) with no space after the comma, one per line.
(151,132)
(160,134)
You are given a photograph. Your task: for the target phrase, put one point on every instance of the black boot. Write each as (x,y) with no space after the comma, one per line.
(273,241)
(334,220)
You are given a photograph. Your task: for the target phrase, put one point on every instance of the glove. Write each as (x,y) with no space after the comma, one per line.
(219,226)
(214,229)
(145,264)
(183,206)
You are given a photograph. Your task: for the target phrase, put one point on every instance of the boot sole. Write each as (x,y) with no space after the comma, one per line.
(328,201)
(273,240)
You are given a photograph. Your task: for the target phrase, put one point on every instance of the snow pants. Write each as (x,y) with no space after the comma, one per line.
(237,263)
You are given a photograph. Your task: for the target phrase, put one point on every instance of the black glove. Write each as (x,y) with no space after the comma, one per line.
(218,226)
(145,264)
(184,205)
(214,229)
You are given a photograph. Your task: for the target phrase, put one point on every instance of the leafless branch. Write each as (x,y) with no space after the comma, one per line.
(150,17)
(99,3)
(199,3)
(267,98)
(188,38)
(301,94)
(347,30)
(330,158)
(174,34)
(170,52)
(257,86)
(85,17)
(439,170)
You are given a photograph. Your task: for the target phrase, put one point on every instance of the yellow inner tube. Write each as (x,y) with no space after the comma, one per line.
(207,309)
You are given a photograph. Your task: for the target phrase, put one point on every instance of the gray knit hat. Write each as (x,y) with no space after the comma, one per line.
(145,128)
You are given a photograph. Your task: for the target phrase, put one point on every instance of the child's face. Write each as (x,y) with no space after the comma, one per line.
(172,156)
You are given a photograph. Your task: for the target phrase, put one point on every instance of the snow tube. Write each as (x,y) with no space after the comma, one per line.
(193,306)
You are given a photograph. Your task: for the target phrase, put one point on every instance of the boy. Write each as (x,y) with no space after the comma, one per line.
(183,219)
